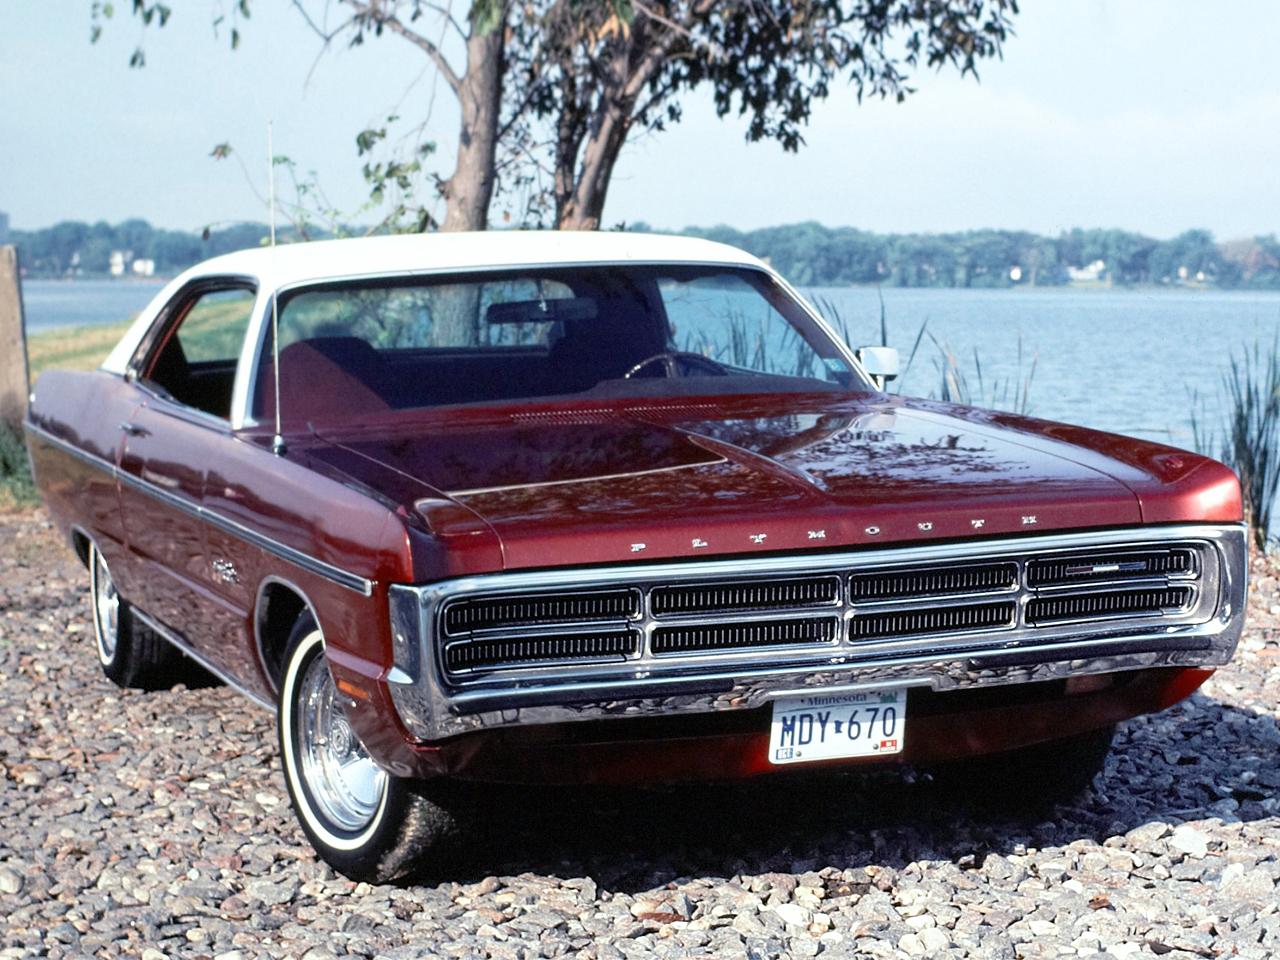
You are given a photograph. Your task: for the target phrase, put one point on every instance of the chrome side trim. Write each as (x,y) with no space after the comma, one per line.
(728,680)
(177,641)
(328,571)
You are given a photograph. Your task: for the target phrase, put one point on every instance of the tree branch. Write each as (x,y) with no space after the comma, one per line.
(372,11)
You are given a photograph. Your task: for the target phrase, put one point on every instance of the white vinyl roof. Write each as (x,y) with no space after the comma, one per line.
(291,264)
(294,263)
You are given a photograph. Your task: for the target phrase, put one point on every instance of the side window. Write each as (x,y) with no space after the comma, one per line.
(196,360)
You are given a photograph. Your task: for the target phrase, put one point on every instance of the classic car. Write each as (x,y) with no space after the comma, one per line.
(607,508)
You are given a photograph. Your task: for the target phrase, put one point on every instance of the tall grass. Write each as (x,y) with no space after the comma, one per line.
(1250,444)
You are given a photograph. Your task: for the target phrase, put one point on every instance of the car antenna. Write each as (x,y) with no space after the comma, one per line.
(277,442)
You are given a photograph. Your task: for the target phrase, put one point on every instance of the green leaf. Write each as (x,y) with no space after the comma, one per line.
(235,39)
(221,151)
(108,9)
(485,16)
(624,11)
(138,59)
(366,139)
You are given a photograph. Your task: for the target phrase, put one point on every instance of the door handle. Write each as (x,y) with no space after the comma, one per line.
(132,429)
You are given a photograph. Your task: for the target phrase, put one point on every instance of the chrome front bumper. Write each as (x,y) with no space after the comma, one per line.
(435,704)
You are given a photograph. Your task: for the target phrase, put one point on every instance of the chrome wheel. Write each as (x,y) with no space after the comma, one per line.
(344,782)
(106,610)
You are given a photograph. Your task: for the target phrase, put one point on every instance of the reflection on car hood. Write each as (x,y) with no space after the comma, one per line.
(568,485)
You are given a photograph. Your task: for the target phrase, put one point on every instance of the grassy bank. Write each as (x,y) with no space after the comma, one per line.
(74,348)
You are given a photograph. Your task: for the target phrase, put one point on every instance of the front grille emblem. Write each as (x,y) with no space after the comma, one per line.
(758,537)
(698,543)
(637,547)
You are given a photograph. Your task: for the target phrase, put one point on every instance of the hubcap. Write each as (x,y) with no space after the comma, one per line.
(343,780)
(106,603)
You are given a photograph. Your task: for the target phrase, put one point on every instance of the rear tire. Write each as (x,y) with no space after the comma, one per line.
(130,654)
(365,822)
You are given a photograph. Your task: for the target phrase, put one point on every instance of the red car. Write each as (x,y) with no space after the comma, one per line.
(607,508)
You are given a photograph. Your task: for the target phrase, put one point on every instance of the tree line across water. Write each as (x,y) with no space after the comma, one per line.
(808,254)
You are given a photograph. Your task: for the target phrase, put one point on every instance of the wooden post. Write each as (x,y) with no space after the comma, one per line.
(14,379)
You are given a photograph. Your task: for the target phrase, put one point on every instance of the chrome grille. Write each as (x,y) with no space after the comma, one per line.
(486,654)
(1112,603)
(832,608)
(746,595)
(735,636)
(905,623)
(498,613)
(932,582)
(1109,566)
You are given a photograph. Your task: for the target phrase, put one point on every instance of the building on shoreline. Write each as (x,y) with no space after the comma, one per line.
(4,228)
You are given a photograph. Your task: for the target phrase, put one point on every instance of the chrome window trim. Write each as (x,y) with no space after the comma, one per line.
(702,682)
(298,558)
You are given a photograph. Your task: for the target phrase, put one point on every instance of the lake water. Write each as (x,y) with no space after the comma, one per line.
(1118,360)
(72,303)
(1125,361)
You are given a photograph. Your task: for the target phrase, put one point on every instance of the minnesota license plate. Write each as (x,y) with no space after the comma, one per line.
(825,726)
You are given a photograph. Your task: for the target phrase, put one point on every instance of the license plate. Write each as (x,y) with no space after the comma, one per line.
(825,726)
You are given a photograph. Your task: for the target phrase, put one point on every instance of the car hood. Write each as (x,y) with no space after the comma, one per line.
(563,485)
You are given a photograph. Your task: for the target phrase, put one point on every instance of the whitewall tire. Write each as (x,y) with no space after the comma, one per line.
(365,822)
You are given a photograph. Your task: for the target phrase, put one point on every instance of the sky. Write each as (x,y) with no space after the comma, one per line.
(1148,115)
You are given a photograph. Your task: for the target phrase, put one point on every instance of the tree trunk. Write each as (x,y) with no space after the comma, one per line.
(455,314)
(586,204)
(467,193)
(631,70)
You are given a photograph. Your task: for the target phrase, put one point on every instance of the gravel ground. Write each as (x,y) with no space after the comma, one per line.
(157,825)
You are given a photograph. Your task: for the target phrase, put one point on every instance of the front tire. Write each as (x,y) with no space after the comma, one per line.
(366,823)
(130,654)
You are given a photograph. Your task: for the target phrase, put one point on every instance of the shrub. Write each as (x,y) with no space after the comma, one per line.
(15,469)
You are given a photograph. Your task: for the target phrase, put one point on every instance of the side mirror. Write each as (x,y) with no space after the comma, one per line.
(880,362)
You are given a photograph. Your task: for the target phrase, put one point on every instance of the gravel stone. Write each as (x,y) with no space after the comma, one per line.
(157,825)
(1190,841)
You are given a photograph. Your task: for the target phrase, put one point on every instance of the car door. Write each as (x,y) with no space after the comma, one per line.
(185,370)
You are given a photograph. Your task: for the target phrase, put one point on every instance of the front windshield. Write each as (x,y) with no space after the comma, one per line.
(362,347)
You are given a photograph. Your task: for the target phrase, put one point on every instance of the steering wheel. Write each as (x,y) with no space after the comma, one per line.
(671,363)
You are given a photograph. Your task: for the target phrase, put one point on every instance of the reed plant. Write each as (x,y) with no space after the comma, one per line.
(957,386)
(1250,442)
(954,384)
